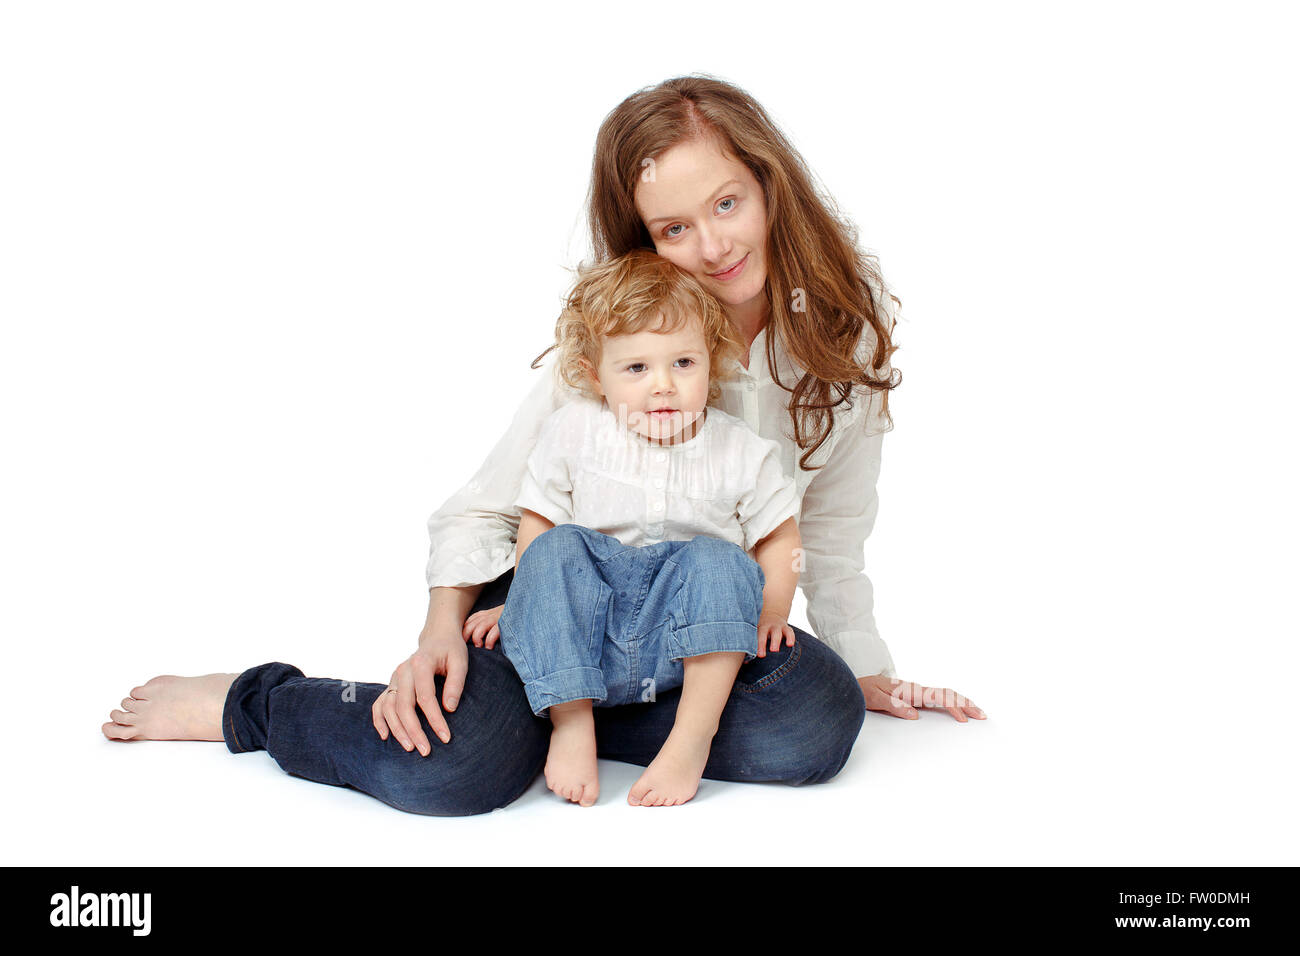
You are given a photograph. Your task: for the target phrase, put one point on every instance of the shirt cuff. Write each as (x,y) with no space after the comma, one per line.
(465,563)
(864,652)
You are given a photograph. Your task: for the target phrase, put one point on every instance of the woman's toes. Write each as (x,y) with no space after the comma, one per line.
(115,731)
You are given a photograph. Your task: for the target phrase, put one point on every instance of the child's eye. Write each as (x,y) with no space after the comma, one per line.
(729,199)
(692,361)
(634,366)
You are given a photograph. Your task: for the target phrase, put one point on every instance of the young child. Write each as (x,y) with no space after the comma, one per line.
(639,511)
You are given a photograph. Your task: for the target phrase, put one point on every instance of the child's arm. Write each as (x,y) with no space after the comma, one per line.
(531,524)
(481,626)
(780,555)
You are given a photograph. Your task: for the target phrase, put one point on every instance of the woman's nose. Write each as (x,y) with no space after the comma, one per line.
(713,248)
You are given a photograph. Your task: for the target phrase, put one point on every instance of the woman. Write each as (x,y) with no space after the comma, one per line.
(695,170)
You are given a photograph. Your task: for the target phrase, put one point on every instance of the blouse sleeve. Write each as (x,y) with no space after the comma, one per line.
(472,536)
(839,510)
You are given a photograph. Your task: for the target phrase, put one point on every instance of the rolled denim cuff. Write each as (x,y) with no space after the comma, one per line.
(246,714)
(576,683)
(713,637)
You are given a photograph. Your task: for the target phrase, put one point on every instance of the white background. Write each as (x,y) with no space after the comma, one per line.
(271,276)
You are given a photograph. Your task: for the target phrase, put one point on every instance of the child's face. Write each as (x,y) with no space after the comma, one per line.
(646,371)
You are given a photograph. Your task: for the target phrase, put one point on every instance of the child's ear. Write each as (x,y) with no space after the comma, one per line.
(592,376)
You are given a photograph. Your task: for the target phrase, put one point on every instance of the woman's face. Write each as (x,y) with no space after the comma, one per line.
(706,214)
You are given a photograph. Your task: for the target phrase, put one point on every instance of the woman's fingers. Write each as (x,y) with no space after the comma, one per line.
(411,734)
(388,702)
(887,696)
(900,698)
(377,716)
(899,703)
(457,666)
(492,637)
(425,694)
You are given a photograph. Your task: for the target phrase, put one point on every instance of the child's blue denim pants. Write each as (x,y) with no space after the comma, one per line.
(588,617)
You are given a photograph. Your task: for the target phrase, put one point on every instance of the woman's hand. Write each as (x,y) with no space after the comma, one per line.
(772,628)
(893,696)
(481,627)
(441,651)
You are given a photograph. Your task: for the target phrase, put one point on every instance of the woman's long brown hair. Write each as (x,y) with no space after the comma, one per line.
(812,254)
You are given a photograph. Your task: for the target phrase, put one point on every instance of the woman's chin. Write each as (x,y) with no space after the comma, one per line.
(740,296)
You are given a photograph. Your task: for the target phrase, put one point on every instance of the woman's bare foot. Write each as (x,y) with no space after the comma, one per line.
(674,775)
(172,708)
(571,759)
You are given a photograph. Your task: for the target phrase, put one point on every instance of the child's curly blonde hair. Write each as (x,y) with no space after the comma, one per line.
(628,295)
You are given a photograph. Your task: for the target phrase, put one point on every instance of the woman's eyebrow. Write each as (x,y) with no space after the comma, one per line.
(729,182)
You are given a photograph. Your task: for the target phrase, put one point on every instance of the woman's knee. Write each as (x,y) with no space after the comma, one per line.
(497,748)
(838,713)
(402,784)
(822,706)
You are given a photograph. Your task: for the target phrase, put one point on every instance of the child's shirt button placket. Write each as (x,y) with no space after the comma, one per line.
(656,497)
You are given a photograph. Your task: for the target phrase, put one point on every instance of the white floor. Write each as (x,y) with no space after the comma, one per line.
(1027,786)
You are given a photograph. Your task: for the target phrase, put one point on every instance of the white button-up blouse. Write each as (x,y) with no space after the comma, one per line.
(472,536)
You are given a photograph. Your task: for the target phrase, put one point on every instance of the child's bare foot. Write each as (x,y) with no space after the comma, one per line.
(571,759)
(172,708)
(674,775)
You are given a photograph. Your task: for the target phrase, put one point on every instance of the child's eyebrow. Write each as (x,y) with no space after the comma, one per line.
(640,358)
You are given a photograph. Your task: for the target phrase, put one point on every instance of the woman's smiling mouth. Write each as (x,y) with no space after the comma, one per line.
(730,273)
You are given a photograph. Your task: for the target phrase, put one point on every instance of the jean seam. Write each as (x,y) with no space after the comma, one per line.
(238,743)
(768,679)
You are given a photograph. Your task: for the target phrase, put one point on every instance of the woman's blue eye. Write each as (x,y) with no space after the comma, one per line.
(729,208)
(669,231)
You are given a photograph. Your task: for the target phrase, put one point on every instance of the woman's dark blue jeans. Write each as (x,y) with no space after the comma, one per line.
(792,717)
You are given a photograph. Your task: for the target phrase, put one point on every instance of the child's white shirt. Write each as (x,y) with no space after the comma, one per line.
(725,482)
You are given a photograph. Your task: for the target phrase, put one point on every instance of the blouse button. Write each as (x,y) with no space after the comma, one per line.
(661,456)
(659,482)
(749,385)
(659,506)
